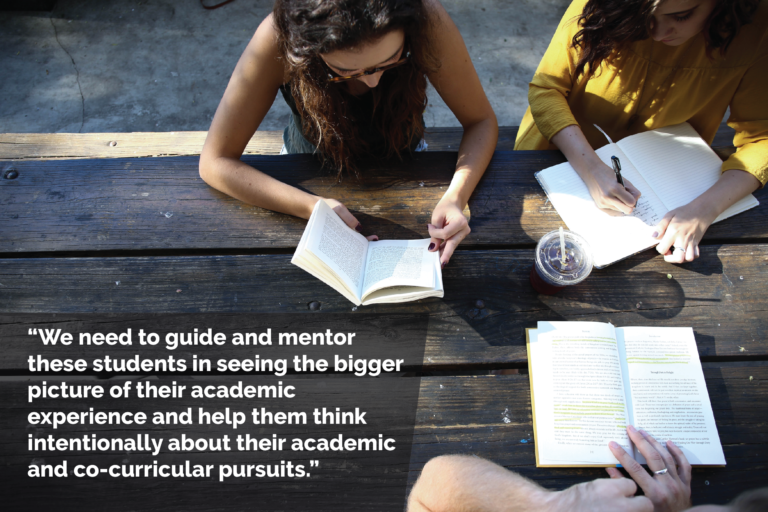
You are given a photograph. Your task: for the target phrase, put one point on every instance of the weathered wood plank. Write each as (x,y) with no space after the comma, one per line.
(132,204)
(726,311)
(48,146)
(44,146)
(467,415)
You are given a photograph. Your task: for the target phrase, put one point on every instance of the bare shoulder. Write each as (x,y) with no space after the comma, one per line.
(438,16)
(262,55)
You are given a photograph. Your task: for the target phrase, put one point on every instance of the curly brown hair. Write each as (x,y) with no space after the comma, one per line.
(612,25)
(308,28)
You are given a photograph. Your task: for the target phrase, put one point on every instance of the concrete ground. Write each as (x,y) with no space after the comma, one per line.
(163,65)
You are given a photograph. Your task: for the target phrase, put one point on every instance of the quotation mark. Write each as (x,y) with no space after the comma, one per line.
(32,332)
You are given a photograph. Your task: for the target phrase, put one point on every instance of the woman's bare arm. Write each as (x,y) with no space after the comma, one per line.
(248,98)
(458,84)
(599,178)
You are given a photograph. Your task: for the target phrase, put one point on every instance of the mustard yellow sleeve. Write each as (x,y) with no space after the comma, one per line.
(749,117)
(553,79)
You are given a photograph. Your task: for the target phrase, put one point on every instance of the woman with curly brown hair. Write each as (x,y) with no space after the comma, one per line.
(354,73)
(636,65)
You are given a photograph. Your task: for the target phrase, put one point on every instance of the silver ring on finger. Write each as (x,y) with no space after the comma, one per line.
(679,249)
(661,472)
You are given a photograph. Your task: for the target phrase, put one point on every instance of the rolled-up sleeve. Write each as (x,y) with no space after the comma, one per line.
(553,79)
(749,117)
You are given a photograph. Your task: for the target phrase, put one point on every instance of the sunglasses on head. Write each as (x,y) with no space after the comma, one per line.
(336,78)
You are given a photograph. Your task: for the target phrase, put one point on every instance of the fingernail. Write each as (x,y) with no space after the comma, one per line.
(669,441)
(431,246)
(655,234)
(359,227)
(644,433)
(443,264)
(631,428)
(613,444)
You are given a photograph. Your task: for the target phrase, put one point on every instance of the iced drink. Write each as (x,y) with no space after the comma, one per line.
(554,269)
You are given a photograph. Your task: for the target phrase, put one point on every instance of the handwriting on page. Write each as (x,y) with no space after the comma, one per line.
(645,212)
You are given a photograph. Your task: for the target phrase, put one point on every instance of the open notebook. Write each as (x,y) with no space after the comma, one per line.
(671,166)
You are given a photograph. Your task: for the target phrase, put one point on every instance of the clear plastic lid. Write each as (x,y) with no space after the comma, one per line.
(565,270)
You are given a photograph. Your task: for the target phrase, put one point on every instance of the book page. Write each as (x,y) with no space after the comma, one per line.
(611,238)
(678,165)
(394,294)
(341,248)
(398,263)
(668,392)
(578,393)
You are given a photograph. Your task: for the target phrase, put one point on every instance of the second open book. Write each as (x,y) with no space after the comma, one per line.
(670,166)
(590,380)
(366,272)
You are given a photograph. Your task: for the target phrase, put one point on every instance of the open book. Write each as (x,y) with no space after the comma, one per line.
(366,272)
(589,380)
(671,166)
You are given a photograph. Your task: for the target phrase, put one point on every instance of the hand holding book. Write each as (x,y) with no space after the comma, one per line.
(345,215)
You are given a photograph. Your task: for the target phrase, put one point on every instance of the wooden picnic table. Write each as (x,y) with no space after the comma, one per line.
(80,213)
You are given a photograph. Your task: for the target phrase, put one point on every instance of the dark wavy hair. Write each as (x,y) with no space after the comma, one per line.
(608,25)
(308,28)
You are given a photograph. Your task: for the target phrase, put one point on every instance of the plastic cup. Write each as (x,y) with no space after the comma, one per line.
(552,271)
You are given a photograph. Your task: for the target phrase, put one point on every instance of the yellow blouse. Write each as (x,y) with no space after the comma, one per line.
(662,85)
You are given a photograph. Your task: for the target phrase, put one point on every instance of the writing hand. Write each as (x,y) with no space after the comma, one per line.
(680,232)
(669,492)
(608,194)
(448,228)
(347,217)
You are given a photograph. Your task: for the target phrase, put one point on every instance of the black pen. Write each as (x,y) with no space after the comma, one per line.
(617,169)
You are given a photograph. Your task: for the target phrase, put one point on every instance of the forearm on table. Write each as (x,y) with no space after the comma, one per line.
(456,483)
(475,152)
(732,186)
(243,182)
(574,145)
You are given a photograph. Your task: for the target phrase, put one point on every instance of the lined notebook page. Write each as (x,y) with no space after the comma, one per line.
(611,238)
(678,165)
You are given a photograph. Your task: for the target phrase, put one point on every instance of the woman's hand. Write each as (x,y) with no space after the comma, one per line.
(681,230)
(347,217)
(448,228)
(669,492)
(607,193)
(599,178)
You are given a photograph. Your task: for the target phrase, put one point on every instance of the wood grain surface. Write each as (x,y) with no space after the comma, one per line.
(466,415)
(48,146)
(162,204)
(481,321)
(44,146)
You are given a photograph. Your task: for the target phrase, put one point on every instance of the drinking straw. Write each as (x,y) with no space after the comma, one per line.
(563,256)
